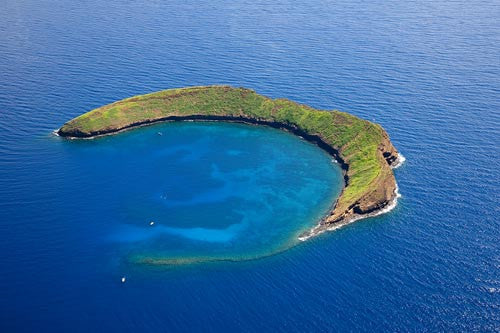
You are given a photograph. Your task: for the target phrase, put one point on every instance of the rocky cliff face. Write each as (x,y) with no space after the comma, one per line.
(383,188)
(363,149)
(389,153)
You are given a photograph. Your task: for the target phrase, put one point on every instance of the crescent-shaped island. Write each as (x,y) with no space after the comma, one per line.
(362,148)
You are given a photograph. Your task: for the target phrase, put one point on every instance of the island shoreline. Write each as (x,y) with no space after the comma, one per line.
(362,148)
(323,225)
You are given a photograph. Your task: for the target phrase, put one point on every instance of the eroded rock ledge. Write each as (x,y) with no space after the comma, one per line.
(362,148)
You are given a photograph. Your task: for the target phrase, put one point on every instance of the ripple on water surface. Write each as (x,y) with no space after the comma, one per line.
(214,191)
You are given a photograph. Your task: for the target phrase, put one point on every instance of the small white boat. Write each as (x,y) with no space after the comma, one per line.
(151,223)
(123,279)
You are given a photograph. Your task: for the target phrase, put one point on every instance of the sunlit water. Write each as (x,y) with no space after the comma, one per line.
(71,226)
(184,192)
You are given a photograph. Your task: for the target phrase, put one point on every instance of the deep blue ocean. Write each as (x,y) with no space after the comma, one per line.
(228,201)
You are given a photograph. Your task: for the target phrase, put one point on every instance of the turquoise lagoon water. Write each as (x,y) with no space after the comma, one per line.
(74,215)
(214,191)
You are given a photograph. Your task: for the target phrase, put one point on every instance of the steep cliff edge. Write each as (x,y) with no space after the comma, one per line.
(362,148)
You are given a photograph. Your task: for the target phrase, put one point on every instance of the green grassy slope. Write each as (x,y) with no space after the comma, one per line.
(360,144)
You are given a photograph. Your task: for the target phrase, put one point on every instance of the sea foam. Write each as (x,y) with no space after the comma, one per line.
(320,228)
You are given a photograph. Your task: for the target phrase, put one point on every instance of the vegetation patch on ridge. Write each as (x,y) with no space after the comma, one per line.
(357,141)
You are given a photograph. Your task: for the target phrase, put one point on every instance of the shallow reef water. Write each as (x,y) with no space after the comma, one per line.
(214,191)
(75,216)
